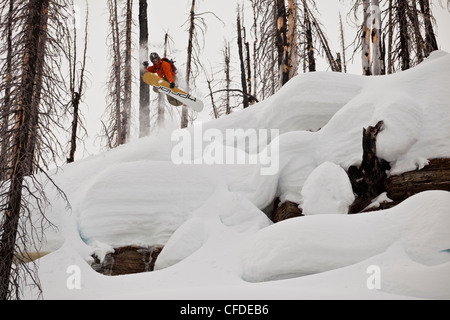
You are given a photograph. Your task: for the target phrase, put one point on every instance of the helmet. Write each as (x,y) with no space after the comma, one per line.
(154,57)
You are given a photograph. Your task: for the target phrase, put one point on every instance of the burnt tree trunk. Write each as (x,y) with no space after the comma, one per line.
(431,42)
(144,89)
(76,95)
(292,40)
(242,64)
(7,104)
(402,9)
(25,127)
(368,179)
(185,111)
(73,140)
(390,58)
(309,40)
(282,43)
(227,55)
(126,116)
(365,40)
(377,55)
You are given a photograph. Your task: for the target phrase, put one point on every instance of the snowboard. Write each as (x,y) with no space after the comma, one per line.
(163,86)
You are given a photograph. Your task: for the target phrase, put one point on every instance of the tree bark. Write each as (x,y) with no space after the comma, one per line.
(73,140)
(184,112)
(309,39)
(249,69)
(6,108)
(421,47)
(144,89)
(344,59)
(402,8)
(365,40)
(281,42)
(25,127)
(378,60)
(292,38)
(227,56)
(390,64)
(430,37)
(77,93)
(242,64)
(126,116)
(117,58)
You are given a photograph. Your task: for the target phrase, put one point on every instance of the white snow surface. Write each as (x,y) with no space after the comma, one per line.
(219,243)
(336,193)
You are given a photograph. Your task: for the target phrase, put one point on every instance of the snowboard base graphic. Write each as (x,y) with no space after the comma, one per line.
(176,93)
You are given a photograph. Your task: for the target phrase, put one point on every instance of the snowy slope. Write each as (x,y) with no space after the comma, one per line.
(220,244)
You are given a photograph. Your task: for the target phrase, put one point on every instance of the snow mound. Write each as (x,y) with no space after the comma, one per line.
(414,107)
(327,190)
(313,244)
(235,215)
(141,203)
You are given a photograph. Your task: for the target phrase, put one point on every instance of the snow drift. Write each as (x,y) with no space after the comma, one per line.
(210,217)
(419,226)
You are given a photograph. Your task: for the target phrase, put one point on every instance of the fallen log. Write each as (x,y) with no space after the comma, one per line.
(434,176)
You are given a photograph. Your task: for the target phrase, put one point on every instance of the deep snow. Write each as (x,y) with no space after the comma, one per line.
(219,244)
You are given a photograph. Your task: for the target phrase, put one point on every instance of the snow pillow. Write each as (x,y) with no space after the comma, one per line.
(327,190)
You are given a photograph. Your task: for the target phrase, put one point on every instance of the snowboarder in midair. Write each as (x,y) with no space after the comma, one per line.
(166,70)
(162,68)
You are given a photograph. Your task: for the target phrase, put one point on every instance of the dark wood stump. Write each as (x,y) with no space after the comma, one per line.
(368,179)
(128,260)
(285,211)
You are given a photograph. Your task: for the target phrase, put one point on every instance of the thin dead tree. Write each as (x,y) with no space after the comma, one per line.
(209,81)
(282,41)
(227,60)
(76,83)
(292,37)
(242,62)
(404,50)
(117,126)
(112,127)
(256,67)
(267,79)
(365,39)
(7,30)
(309,46)
(196,23)
(126,115)
(190,53)
(248,62)
(310,12)
(144,89)
(332,61)
(341,29)
(231,92)
(430,36)
(390,63)
(34,116)
(378,65)
(407,25)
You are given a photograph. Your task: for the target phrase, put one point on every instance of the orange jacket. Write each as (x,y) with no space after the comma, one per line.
(163,70)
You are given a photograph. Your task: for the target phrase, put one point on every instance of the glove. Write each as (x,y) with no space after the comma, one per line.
(145,64)
(172,85)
